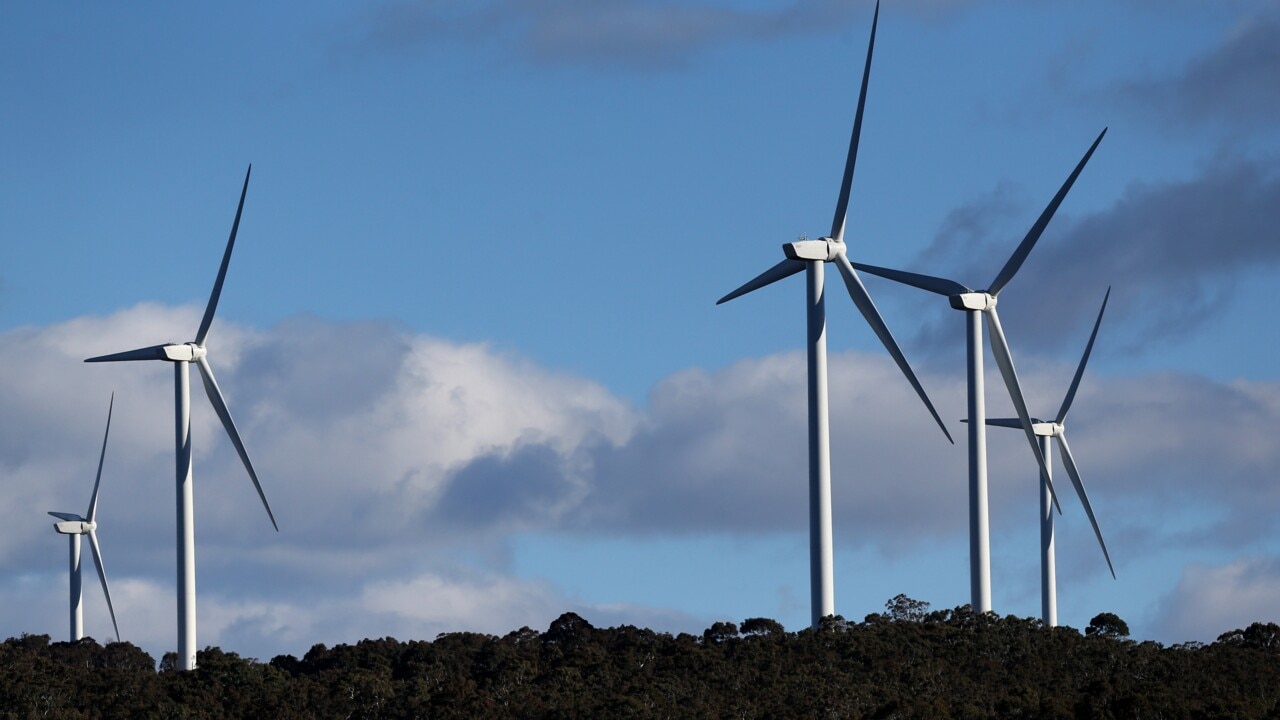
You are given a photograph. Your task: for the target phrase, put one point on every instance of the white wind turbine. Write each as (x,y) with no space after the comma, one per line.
(975,304)
(73,526)
(811,256)
(182,355)
(1046,430)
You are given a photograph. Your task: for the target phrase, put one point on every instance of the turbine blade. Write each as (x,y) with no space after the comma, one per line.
(205,322)
(862,300)
(93,500)
(102,575)
(1075,381)
(155,352)
(784,269)
(941,286)
(1028,242)
(1000,348)
(846,184)
(1004,422)
(1074,473)
(71,517)
(220,407)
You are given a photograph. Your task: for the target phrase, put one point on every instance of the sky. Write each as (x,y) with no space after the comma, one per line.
(469,331)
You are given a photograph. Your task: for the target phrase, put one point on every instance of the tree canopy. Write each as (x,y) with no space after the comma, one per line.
(908,662)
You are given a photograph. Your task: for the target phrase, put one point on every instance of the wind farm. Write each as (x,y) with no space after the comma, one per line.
(472,347)
(976,305)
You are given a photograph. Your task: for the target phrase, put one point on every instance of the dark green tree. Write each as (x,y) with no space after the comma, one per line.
(762,626)
(1107,625)
(904,609)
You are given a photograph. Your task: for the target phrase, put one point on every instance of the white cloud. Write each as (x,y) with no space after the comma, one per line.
(357,432)
(1213,599)
(400,466)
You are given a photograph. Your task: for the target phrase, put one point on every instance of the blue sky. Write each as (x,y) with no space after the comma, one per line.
(469,330)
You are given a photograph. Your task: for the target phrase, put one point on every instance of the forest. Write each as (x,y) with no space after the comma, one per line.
(907,662)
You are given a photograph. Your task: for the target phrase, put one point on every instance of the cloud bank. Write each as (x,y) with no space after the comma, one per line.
(1232,84)
(401,466)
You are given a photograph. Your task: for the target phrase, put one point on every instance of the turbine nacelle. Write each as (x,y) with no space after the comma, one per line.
(821,250)
(1046,429)
(979,301)
(75,527)
(186,352)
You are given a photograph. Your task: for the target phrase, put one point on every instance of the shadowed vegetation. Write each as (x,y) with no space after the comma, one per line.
(906,663)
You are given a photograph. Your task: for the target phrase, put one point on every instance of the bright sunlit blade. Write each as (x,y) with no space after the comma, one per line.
(784,269)
(941,286)
(1000,349)
(1004,422)
(846,183)
(93,500)
(1028,242)
(155,352)
(1074,473)
(1084,359)
(220,407)
(102,576)
(207,320)
(863,301)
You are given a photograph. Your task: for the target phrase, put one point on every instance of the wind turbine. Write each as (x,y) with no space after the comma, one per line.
(182,355)
(1046,430)
(975,304)
(811,256)
(73,526)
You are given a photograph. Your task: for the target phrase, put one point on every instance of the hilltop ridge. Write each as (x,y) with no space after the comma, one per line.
(907,662)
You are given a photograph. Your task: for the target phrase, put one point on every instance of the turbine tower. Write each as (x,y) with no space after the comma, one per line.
(73,526)
(975,304)
(812,256)
(182,356)
(1045,430)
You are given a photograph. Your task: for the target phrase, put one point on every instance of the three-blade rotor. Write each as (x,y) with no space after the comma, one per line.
(1057,430)
(88,524)
(195,352)
(834,251)
(964,298)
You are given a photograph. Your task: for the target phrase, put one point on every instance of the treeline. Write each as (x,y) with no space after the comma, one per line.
(905,663)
